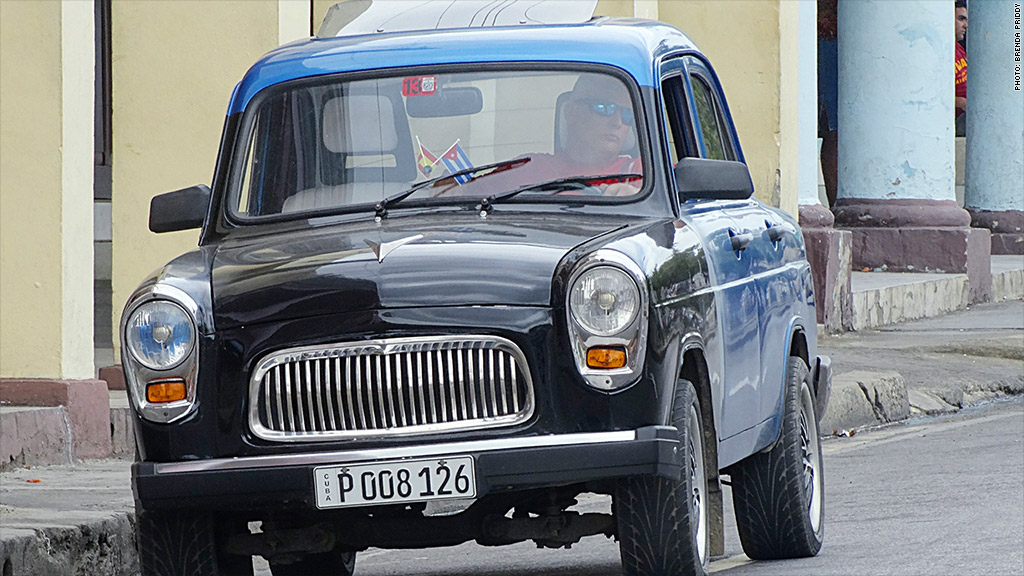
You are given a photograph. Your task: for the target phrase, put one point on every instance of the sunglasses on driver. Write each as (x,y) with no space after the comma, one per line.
(606,109)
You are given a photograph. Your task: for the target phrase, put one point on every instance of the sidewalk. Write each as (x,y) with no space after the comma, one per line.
(78,519)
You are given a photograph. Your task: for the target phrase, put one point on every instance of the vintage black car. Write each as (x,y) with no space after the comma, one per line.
(448,281)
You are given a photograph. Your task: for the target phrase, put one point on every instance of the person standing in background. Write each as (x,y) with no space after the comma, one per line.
(828,96)
(960,68)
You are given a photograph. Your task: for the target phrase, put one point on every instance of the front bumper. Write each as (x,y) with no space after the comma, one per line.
(286,481)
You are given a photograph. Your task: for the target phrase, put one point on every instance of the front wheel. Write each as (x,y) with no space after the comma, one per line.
(779,495)
(663,524)
(186,543)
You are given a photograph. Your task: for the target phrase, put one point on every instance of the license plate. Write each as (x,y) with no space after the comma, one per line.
(394,482)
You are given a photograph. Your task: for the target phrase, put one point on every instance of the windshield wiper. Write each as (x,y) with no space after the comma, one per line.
(577,182)
(381,208)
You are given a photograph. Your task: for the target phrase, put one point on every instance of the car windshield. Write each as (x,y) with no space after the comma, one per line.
(333,145)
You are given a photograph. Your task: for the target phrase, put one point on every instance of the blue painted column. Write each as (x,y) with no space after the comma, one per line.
(994,192)
(896,150)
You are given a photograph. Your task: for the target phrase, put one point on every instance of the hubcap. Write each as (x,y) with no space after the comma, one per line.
(811,457)
(698,483)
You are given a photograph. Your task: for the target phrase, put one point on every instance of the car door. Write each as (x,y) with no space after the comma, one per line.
(733,353)
(766,232)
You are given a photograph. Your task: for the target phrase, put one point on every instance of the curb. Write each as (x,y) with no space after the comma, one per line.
(105,546)
(860,399)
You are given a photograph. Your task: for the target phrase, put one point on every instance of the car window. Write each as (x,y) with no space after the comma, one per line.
(711,123)
(670,117)
(347,143)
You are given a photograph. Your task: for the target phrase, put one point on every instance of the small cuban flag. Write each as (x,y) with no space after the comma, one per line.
(424,158)
(455,159)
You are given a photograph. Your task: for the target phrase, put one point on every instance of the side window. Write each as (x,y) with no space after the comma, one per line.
(671,125)
(676,119)
(712,125)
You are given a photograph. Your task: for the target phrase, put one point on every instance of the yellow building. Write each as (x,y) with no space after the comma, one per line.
(107,103)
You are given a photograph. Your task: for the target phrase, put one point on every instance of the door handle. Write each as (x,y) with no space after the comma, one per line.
(777,231)
(741,240)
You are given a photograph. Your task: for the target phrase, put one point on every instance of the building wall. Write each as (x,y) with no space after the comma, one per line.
(169,104)
(174,67)
(46,75)
(742,40)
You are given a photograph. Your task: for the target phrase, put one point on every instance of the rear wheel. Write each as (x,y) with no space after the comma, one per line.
(778,495)
(663,524)
(333,563)
(186,543)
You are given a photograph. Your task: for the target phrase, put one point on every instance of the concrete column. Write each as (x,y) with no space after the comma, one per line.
(46,224)
(294,18)
(994,193)
(47,60)
(896,170)
(645,9)
(828,249)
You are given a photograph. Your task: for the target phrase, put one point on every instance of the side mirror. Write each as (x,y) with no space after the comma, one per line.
(179,210)
(712,179)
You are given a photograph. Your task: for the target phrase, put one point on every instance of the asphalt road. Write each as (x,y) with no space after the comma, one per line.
(932,496)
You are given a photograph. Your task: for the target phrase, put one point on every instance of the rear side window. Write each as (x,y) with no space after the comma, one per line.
(712,125)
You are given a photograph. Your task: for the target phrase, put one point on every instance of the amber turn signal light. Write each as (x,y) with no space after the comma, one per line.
(162,391)
(606,358)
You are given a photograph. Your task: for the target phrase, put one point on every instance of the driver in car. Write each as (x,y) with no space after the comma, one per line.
(596,132)
(598,129)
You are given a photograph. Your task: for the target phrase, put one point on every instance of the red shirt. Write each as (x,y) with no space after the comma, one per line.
(960,66)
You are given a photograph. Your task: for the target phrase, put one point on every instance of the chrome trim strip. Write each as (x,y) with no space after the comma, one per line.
(277,390)
(501,382)
(515,385)
(370,454)
(288,398)
(494,391)
(472,380)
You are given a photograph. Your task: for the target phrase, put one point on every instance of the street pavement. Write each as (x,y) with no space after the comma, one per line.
(889,491)
(936,495)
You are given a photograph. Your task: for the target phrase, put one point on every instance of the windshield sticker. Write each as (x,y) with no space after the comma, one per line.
(425,159)
(418,86)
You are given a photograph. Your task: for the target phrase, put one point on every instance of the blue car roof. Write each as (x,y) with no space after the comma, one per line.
(630,44)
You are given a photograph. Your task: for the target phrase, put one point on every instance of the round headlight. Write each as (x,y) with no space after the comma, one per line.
(160,334)
(604,300)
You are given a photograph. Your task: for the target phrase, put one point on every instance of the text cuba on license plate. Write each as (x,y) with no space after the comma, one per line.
(394,481)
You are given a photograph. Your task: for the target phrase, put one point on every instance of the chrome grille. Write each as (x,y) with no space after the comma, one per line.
(389,387)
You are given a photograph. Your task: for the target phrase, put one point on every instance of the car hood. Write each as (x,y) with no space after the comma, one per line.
(409,261)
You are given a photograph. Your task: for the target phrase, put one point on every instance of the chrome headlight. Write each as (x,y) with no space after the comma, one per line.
(160,352)
(604,300)
(606,309)
(160,334)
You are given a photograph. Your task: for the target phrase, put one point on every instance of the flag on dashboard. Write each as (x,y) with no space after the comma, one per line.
(455,159)
(424,158)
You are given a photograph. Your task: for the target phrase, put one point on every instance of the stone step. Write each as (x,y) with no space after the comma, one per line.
(883,298)
(41,435)
(1007,277)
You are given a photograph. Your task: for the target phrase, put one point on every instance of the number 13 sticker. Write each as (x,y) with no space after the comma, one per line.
(418,86)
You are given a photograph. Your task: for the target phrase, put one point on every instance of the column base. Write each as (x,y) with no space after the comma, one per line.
(87,403)
(1007,227)
(918,236)
(829,254)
